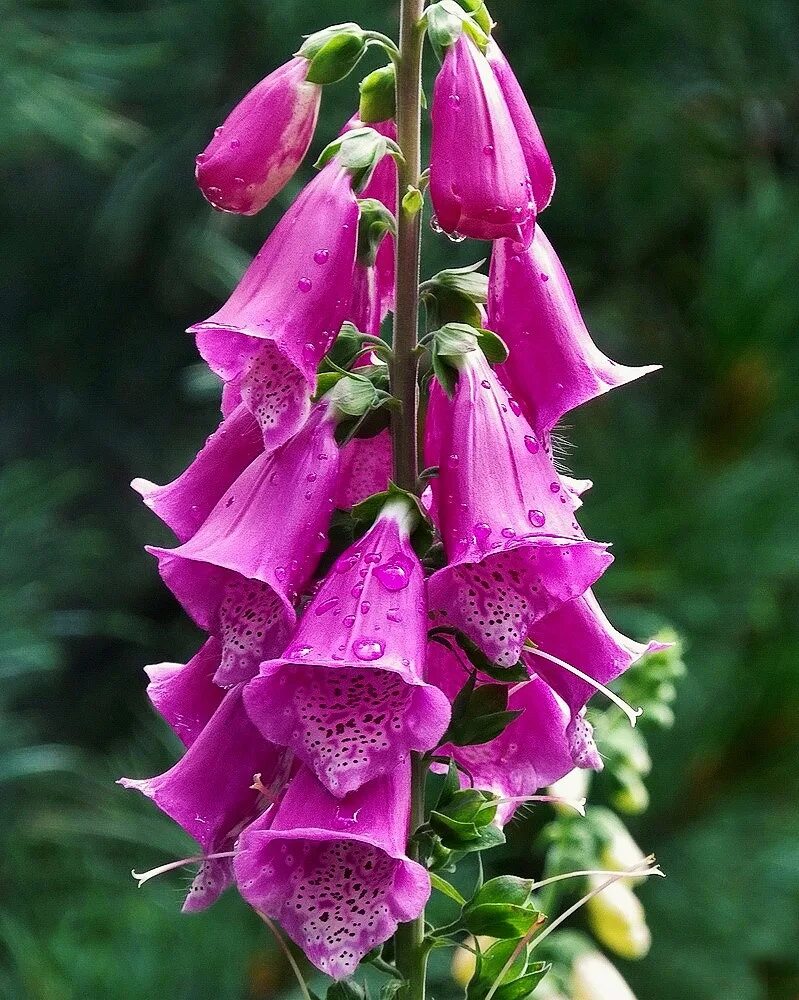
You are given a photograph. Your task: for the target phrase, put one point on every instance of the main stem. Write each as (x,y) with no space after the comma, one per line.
(411,953)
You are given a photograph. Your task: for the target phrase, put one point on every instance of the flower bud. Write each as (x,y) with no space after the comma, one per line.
(259,146)
(333,52)
(618,920)
(594,978)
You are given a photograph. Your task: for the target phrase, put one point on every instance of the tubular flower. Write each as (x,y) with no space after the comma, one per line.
(236,582)
(347,695)
(514,550)
(335,873)
(539,165)
(553,365)
(531,753)
(580,635)
(185,694)
(209,791)
(187,501)
(365,469)
(479,181)
(262,141)
(271,334)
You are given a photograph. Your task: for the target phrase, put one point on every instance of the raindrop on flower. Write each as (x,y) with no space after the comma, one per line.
(531,444)
(435,225)
(396,574)
(368,649)
(454,101)
(537,518)
(304,284)
(325,606)
(321,256)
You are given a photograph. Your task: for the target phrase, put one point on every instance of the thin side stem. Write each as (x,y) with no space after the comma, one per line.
(411,948)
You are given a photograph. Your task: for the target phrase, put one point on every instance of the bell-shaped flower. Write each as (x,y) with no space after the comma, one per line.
(365,469)
(258,148)
(593,977)
(210,792)
(479,180)
(576,649)
(334,872)
(347,695)
(185,695)
(514,549)
(553,365)
(187,501)
(529,754)
(271,334)
(239,575)
(539,165)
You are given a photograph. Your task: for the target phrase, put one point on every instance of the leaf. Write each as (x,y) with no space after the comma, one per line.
(347,989)
(500,920)
(505,889)
(448,890)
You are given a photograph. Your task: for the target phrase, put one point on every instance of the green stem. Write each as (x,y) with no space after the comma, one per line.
(411,948)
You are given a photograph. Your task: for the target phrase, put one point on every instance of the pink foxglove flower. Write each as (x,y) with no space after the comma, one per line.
(187,501)
(514,550)
(347,695)
(262,141)
(553,365)
(185,695)
(539,165)
(271,334)
(580,635)
(333,872)
(365,469)
(239,575)
(209,791)
(479,180)
(531,753)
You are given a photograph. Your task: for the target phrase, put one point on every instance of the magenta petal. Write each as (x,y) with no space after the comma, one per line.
(365,469)
(240,584)
(347,696)
(531,753)
(513,547)
(185,694)
(286,311)
(539,165)
(580,634)
(262,141)
(554,365)
(208,791)
(185,503)
(479,181)
(334,873)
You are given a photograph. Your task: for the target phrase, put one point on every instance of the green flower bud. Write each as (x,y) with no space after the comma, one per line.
(333,52)
(378,95)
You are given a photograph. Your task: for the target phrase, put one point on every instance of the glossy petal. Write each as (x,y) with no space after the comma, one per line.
(531,753)
(539,165)
(514,550)
(347,695)
(187,501)
(333,873)
(185,694)
(554,365)
(208,791)
(258,148)
(365,469)
(239,575)
(273,331)
(479,181)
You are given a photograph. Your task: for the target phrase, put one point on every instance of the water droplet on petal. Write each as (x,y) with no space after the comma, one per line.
(454,101)
(514,406)
(554,487)
(531,444)
(481,532)
(325,606)
(452,461)
(235,143)
(321,256)
(349,621)
(396,573)
(537,518)
(304,284)
(435,225)
(488,149)
(368,649)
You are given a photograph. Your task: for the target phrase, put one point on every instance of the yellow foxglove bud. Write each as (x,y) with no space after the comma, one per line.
(618,920)
(594,978)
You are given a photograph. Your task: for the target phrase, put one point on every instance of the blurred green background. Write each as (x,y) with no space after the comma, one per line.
(673,127)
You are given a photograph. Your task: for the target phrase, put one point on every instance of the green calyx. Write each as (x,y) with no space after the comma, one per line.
(334,52)
(374,222)
(450,344)
(453,296)
(420,528)
(359,151)
(448,19)
(378,93)
(479,11)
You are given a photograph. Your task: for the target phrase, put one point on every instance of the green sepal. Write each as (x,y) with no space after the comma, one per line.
(391,989)
(515,674)
(366,513)
(517,983)
(493,346)
(446,22)
(378,93)
(347,989)
(454,340)
(505,889)
(374,222)
(412,201)
(466,280)
(524,986)
(479,12)
(359,151)
(499,920)
(334,52)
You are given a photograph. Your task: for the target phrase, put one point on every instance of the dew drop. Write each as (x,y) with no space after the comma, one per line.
(435,225)
(304,284)
(514,406)
(537,518)
(482,532)
(321,256)
(396,573)
(368,649)
(531,444)
(452,461)
(554,487)
(349,621)
(455,237)
(235,143)
(488,149)
(454,101)
(544,277)
(325,606)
